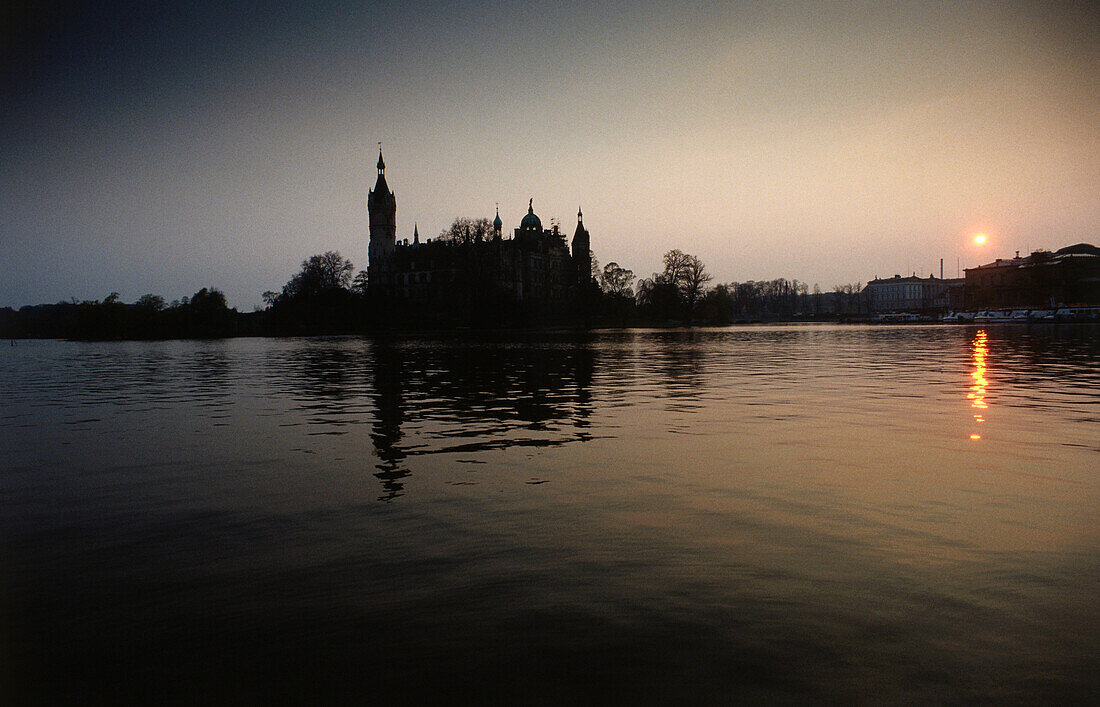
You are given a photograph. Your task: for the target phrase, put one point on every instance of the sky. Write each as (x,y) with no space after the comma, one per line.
(164,147)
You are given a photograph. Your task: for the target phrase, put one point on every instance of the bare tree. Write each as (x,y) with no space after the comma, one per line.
(467,230)
(617,280)
(675,262)
(359,284)
(693,285)
(687,274)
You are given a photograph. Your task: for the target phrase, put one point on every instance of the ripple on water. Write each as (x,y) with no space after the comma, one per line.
(788,512)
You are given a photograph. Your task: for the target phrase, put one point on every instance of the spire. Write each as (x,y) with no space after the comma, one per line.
(497,223)
(581,231)
(416,235)
(380,185)
(531,205)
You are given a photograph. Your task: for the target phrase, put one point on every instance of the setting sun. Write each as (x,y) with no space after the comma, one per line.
(979,238)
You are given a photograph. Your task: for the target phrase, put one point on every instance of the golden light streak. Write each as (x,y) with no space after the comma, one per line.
(979,383)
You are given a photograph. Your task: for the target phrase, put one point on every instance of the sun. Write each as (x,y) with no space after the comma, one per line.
(979,238)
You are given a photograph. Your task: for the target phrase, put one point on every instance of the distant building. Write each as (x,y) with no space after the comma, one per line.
(1043,279)
(533,267)
(910,294)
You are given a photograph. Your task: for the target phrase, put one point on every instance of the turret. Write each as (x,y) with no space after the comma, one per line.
(582,251)
(382,211)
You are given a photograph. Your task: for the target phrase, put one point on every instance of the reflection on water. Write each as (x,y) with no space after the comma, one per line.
(977,390)
(759,513)
(468,400)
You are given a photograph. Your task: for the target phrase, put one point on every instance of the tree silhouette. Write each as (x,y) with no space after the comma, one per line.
(684,280)
(319,274)
(467,230)
(151,302)
(359,284)
(616,280)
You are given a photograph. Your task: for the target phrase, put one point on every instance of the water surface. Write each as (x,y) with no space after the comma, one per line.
(790,512)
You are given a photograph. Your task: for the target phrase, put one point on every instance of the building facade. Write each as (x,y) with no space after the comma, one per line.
(1043,279)
(910,294)
(535,266)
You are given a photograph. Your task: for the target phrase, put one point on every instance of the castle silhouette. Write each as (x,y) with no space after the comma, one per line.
(534,267)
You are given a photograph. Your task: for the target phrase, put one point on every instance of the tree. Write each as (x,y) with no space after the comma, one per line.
(675,262)
(208,314)
(616,280)
(319,274)
(688,276)
(657,298)
(468,230)
(153,303)
(359,284)
(209,301)
(693,284)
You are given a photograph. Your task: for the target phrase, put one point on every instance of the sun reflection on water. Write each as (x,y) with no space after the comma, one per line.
(979,384)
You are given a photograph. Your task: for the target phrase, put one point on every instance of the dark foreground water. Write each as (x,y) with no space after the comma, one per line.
(786,513)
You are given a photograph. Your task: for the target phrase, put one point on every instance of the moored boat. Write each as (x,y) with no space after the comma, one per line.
(993,316)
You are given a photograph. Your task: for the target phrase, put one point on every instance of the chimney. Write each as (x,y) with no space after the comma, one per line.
(941,268)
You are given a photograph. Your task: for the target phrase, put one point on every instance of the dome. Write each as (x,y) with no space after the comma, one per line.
(497,223)
(530,222)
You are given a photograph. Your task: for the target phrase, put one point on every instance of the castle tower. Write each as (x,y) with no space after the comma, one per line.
(382,210)
(497,225)
(582,251)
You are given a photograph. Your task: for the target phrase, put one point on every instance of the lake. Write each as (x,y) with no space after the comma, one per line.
(781,513)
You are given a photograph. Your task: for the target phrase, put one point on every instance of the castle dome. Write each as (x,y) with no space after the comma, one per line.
(530,222)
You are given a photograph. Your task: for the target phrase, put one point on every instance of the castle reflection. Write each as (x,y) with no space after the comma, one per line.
(442,398)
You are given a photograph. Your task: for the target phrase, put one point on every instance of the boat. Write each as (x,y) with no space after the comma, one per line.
(1077,314)
(1041,315)
(897,317)
(993,316)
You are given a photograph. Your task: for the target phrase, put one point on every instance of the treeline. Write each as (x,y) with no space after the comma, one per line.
(203,315)
(324,297)
(681,293)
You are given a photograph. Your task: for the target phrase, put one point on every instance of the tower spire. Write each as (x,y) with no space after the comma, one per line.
(381,162)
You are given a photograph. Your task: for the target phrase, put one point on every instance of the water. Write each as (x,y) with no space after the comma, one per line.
(783,513)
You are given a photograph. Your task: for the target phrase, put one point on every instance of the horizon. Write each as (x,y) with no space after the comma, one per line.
(162,150)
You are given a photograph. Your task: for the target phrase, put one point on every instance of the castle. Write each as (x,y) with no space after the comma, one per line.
(534,267)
